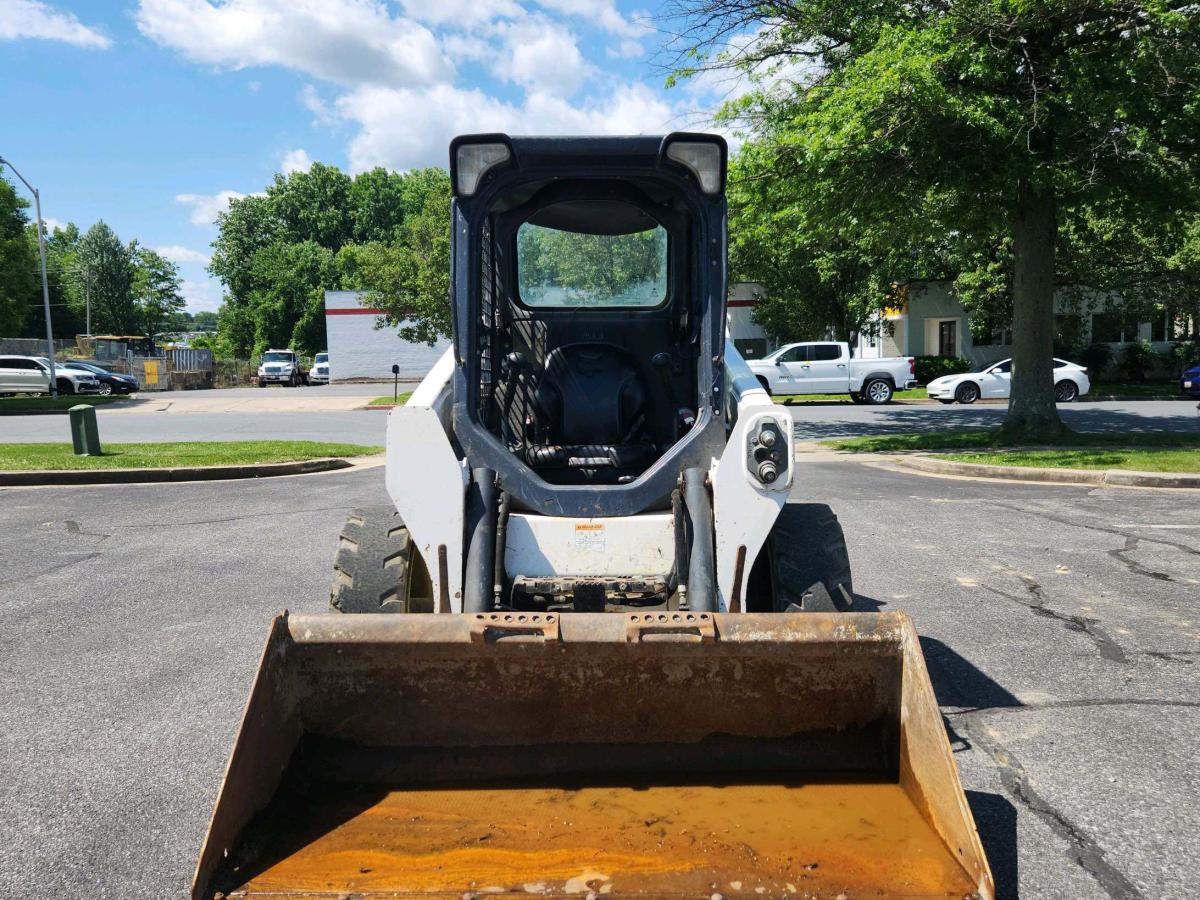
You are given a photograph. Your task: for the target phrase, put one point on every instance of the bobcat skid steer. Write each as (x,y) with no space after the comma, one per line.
(593,649)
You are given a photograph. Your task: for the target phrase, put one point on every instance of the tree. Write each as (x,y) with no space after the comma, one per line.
(18,262)
(110,270)
(157,288)
(995,123)
(410,278)
(205,320)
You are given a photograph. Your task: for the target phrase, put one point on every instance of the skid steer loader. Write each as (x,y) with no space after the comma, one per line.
(593,649)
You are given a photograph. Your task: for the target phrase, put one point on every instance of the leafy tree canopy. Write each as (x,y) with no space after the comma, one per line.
(18,261)
(1010,145)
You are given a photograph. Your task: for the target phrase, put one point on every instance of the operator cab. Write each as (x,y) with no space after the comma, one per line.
(591,318)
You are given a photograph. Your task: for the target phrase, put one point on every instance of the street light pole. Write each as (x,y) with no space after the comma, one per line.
(37,204)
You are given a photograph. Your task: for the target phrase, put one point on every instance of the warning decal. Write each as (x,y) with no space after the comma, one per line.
(589,536)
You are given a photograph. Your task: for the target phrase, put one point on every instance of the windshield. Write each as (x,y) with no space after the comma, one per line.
(570,268)
(88,367)
(322,357)
(277,357)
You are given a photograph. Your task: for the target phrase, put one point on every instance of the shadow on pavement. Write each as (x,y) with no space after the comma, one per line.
(996,820)
(913,419)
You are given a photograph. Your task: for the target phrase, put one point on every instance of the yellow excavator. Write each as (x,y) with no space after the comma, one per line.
(592,648)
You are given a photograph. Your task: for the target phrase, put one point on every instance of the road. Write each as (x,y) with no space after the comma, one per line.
(325,414)
(1059,624)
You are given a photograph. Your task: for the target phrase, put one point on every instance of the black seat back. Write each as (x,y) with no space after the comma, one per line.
(591,394)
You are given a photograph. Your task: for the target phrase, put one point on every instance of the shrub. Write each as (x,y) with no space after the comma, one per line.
(931,367)
(1095,358)
(1137,359)
(1182,356)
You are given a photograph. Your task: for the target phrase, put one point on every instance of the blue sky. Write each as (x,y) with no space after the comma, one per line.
(150,114)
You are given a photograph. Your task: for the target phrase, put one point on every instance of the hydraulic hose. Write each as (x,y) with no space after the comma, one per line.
(481,551)
(702,569)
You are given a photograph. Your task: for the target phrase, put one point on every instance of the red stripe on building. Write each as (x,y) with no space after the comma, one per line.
(356,311)
(741,303)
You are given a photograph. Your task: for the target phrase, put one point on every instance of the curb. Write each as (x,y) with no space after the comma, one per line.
(153,476)
(1120,477)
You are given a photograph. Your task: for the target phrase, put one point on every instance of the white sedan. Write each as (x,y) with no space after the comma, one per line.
(995,381)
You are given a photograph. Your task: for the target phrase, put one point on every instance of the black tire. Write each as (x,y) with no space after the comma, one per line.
(804,565)
(967,393)
(947,402)
(262,384)
(878,391)
(377,568)
(766,385)
(1066,391)
(65,386)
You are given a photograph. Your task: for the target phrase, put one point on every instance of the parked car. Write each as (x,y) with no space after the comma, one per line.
(281,367)
(109,382)
(320,370)
(31,375)
(1189,382)
(995,382)
(826,367)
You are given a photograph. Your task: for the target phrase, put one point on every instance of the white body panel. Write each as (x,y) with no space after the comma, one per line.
(826,367)
(427,481)
(542,546)
(744,509)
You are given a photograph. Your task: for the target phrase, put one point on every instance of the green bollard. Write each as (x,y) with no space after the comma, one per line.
(85,434)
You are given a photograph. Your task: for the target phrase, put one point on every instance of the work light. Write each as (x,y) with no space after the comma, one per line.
(473,161)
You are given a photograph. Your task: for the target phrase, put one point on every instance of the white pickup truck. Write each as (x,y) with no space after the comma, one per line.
(826,367)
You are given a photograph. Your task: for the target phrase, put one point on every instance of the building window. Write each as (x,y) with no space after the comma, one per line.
(1158,324)
(1107,327)
(948,338)
(751,348)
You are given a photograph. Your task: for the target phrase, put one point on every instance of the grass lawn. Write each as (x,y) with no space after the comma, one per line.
(916,394)
(26,457)
(46,402)
(986,439)
(1156,390)
(388,401)
(1157,459)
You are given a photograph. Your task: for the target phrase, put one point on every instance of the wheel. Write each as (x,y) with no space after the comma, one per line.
(377,568)
(105,389)
(262,384)
(947,402)
(968,392)
(856,397)
(1066,391)
(766,385)
(65,386)
(804,565)
(294,381)
(877,392)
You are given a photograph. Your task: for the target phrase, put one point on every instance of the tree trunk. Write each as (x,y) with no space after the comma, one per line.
(1032,415)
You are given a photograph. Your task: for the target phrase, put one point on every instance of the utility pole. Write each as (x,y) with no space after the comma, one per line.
(37,203)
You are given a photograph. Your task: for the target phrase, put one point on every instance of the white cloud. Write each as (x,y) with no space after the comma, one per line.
(346,41)
(180,254)
(52,224)
(599,12)
(460,12)
(33,19)
(541,56)
(403,128)
(295,161)
(201,295)
(206,206)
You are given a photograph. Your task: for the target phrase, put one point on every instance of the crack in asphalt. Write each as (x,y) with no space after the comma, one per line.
(1131,544)
(273,514)
(87,555)
(1072,704)
(1109,648)
(1136,539)
(1084,850)
(1081,846)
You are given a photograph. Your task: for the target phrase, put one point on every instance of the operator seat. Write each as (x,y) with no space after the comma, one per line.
(592,400)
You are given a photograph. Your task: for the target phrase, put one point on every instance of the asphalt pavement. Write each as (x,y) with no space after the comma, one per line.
(1059,624)
(247,414)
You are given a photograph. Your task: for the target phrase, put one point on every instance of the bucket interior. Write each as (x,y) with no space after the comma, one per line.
(405,758)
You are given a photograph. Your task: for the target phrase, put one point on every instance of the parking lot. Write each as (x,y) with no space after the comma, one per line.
(1059,624)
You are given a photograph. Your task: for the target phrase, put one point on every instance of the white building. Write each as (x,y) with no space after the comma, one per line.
(358,351)
(747,335)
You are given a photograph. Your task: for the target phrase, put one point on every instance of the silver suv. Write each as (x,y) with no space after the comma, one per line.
(31,375)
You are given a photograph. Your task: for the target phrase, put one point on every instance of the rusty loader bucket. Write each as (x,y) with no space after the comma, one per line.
(653,755)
